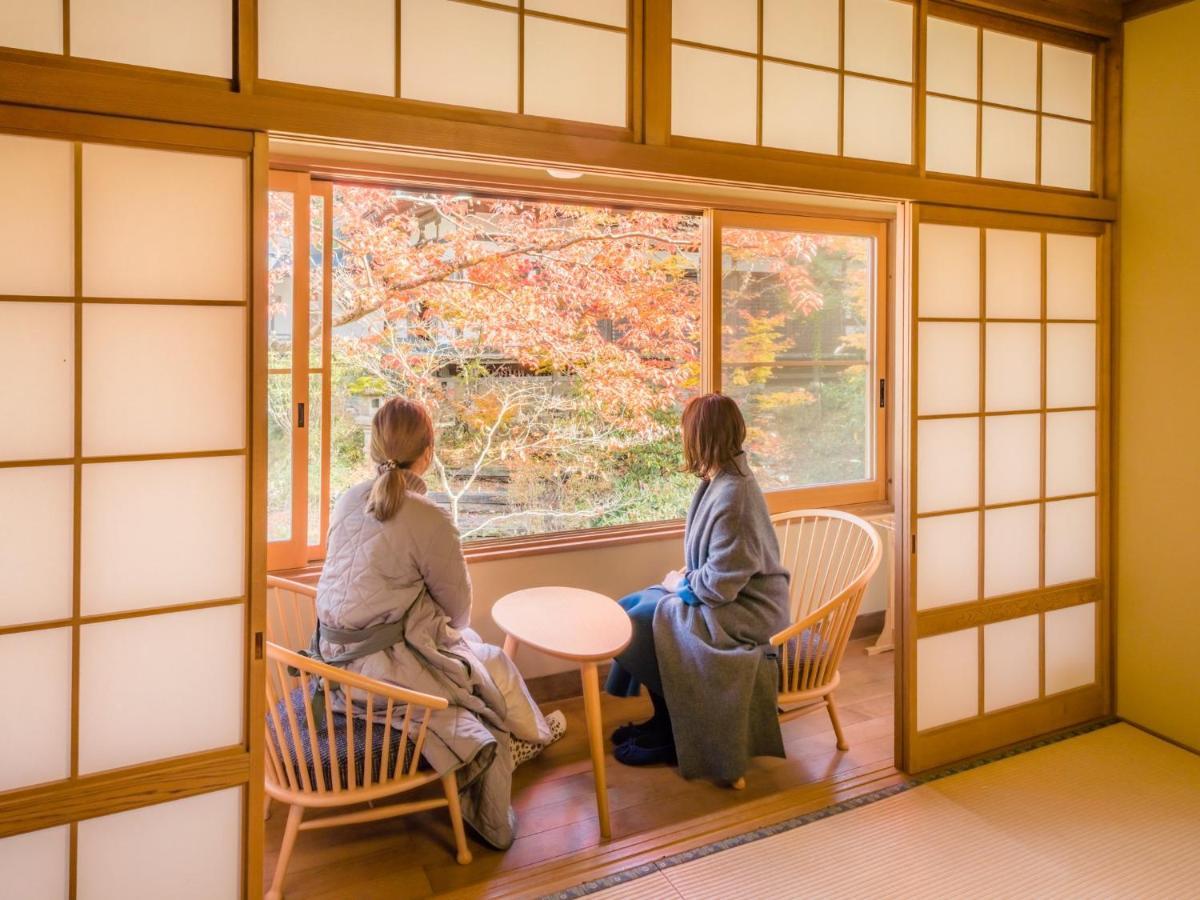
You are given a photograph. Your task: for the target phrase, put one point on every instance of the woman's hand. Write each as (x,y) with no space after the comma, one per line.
(673,580)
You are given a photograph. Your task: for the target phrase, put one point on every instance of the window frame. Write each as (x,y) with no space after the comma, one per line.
(296,553)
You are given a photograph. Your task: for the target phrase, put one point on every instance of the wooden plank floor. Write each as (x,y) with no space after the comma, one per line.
(411,856)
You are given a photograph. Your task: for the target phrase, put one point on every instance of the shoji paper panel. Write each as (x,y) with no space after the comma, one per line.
(877,120)
(947,464)
(1070,365)
(948,565)
(160,379)
(705,80)
(1070,647)
(1070,540)
(1009,145)
(948,272)
(574,72)
(37,230)
(162,532)
(32,25)
(36,539)
(1011,663)
(947,368)
(1009,70)
(722,23)
(158,686)
(952,58)
(607,12)
(36,864)
(947,678)
(879,38)
(184,35)
(481,42)
(186,849)
(800,108)
(37,375)
(1012,549)
(349,45)
(1014,274)
(163,224)
(803,30)
(1070,453)
(35,667)
(1066,154)
(1013,451)
(1013,379)
(1066,82)
(1071,276)
(950,136)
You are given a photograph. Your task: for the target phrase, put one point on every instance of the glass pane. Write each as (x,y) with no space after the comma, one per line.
(879,38)
(1009,145)
(314,426)
(1014,274)
(721,23)
(184,35)
(949,272)
(877,120)
(554,354)
(37,360)
(791,301)
(1012,552)
(1009,70)
(36,665)
(482,43)
(349,45)
(148,390)
(163,224)
(279,457)
(948,560)
(36,539)
(186,849)
(39,862)
(950,136)
(574,72)
(316,280)
(1011,657)
(803,30)
(952,58)
(1066,154)
(281,268)
(947,678)
(947,464)
(129,560)
(37,231)
(1066,82)
(182,691)
(1070,647)
(1071,276)
(800,108)
(703,81)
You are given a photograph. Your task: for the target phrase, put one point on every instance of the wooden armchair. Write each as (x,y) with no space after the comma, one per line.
(317,758)
(832,556)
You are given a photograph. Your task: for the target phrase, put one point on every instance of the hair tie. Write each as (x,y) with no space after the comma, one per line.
(388,465)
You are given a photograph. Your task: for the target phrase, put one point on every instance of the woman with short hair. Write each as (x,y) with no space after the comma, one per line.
(700,639)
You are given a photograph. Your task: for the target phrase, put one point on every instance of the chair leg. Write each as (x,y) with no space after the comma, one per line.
(450,782)
(837,725)
(266,806)
(295,814)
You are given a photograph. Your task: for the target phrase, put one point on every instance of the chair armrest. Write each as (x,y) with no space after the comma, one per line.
(808,621)
(296,587)
(340,676)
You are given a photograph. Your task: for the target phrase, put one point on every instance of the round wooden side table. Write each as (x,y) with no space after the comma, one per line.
(582,626)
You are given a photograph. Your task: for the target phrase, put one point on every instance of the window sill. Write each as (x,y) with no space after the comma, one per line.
(493,549)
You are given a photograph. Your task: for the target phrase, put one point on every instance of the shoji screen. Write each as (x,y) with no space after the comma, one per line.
(124,502)
(1008,609)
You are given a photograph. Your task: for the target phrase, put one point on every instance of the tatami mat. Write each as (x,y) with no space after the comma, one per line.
(1110,813)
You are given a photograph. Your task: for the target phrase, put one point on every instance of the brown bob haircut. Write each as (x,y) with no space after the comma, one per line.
(713,434)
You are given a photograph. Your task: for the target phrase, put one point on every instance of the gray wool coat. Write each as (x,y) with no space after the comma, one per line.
(411,569)
(719,675)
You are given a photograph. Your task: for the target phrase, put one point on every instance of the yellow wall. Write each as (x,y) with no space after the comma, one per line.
(1158,419)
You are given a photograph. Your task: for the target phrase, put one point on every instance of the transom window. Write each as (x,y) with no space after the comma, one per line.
(554,344)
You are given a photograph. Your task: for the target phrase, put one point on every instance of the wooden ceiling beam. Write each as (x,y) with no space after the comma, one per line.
(1101,18)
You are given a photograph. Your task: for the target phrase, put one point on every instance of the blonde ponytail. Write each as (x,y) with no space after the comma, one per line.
(401,432)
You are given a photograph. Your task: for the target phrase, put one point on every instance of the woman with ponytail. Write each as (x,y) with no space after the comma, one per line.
(394,603)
